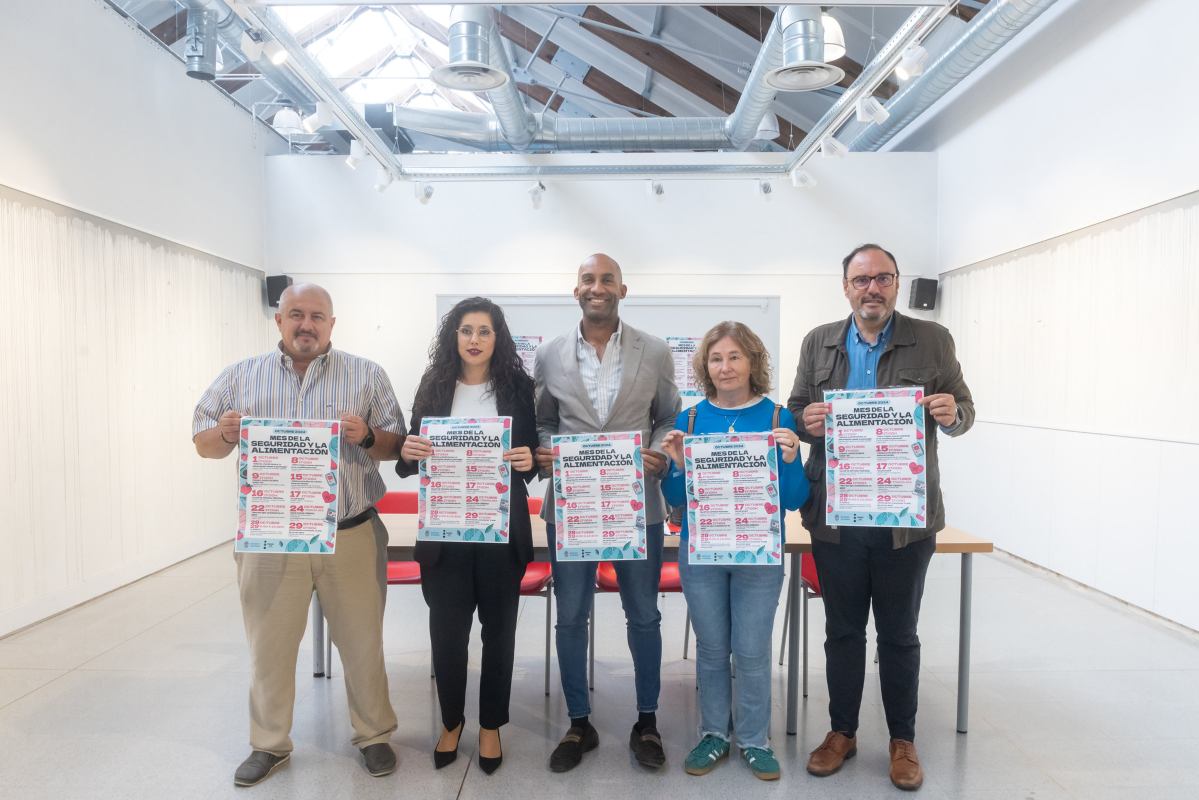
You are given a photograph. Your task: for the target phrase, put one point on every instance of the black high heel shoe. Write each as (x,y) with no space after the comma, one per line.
(490,765)
(443,758)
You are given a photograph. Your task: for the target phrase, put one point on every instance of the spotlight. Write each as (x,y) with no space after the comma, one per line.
(912,63)
(319,118)
(768,128)
(871,110)
(765,187)
(802,180)
(251,45)
(382,179)
(287,121)
(655,189)
(357,153)
(423,192)
(831,148)
(536,190)
(834,38)
(275,53)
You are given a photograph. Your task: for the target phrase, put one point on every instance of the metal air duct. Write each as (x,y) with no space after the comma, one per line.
(470,67)
(989,31)
(199,43)
(803,67)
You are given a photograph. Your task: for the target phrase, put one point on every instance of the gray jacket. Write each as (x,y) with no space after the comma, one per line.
(648,401)
(920,353)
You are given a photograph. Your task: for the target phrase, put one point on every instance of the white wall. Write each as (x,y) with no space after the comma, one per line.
(98,117)
(115,331)
(385,257)
(1083,117)
(1079,349)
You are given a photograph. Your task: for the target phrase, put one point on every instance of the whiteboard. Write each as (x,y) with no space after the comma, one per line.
(551,315)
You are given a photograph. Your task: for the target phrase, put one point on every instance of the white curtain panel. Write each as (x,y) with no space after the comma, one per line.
(107,340)
(1096,331)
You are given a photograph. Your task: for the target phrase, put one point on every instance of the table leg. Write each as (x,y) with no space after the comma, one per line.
(318,638)
(964,644)
(793,647)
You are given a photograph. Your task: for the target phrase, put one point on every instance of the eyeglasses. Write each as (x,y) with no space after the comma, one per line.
(883,280)
(467,332)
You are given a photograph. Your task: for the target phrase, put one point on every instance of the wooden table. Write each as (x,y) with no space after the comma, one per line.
(402,534)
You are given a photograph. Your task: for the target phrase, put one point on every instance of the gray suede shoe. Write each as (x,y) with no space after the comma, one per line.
(258,767)
(379,759)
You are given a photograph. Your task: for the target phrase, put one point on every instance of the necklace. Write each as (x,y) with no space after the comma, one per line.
(732,425)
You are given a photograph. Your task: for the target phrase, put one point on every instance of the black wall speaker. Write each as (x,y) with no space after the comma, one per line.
(275,284)
(924,294)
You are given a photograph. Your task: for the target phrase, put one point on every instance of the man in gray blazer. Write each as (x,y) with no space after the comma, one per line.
(606,376)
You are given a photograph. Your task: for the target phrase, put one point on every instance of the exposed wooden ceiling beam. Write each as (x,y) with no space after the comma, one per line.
(675,68)
(596,80)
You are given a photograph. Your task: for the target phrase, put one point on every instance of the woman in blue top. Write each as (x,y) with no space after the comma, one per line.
(732,605)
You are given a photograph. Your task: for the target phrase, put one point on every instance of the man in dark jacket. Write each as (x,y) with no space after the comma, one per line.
(875,347)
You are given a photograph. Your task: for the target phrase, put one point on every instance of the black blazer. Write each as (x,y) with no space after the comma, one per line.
(524,434)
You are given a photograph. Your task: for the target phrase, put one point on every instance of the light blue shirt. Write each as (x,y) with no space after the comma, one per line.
(864,356)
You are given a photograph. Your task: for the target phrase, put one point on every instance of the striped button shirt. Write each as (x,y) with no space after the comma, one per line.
(601,379)
(334,384)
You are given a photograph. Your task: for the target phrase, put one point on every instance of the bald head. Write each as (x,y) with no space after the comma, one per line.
(306,291)
(599,290)
(305,319)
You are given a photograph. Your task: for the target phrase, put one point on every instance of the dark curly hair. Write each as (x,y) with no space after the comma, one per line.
(509,380)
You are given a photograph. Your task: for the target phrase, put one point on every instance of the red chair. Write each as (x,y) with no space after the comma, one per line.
(809,586)
(398,503)
(605,581)
(538,581)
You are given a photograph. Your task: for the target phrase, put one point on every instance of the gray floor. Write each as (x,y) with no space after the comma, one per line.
(141,694)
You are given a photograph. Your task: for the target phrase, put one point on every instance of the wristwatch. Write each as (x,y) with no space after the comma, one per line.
(368,441)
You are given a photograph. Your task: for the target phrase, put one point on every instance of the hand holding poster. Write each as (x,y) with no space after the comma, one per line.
(464,484)
(874,452)
(287,492)
(599,489)
(733,508)
(527,346)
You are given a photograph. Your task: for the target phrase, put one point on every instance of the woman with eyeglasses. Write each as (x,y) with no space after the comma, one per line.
(733,604)
(475,371)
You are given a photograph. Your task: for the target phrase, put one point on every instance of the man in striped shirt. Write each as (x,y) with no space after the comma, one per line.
(305,378)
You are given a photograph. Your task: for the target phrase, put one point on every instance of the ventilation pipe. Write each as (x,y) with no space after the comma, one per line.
(199,43)
(479,62)
(803,67)
(989,31)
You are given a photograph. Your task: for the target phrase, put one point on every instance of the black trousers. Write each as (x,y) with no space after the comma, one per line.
(468,577)
(863,570)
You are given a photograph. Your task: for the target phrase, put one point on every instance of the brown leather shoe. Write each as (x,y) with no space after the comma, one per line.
(828,757)
(905,765)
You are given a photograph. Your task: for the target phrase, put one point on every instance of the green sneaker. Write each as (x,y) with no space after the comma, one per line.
(704,757)
(762,763)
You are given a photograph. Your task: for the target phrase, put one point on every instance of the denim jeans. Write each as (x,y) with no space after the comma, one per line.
(732,610)
(861,572)
(574,589)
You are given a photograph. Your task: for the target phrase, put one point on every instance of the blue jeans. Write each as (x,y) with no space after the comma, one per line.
(574,588)
(732,610)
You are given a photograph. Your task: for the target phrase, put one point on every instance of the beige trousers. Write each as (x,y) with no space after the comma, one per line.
(276,593)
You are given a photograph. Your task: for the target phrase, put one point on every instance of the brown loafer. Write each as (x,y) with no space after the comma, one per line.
(829,756)
(905,765)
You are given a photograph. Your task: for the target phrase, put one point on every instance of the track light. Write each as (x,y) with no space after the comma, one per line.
(251,45)
(802,180)
(382,179)
(831,148)
(768,128)
(287,121)
(275,52)
(357,153)
(912,63)
(319,118)
(834,38)
(536,190)
(871,110)
(423,192)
